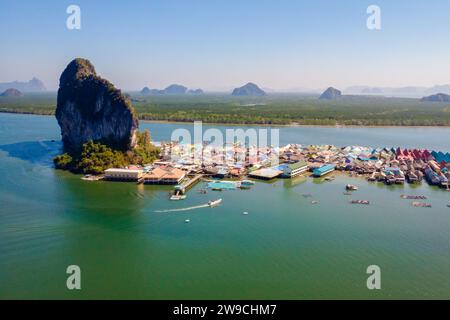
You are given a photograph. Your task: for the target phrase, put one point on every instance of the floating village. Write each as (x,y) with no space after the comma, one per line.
(237,167)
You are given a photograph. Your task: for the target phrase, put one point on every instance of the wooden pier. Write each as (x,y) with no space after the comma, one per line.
(184,186)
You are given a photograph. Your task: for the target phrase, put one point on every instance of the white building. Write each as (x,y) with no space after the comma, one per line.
(294,169)
(123,174)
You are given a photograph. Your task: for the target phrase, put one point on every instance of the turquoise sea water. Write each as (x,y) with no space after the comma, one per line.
(285,248)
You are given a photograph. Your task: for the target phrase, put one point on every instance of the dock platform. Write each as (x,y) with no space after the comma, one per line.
(184,186)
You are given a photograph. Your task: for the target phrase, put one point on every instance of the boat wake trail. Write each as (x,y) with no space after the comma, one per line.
(184,209)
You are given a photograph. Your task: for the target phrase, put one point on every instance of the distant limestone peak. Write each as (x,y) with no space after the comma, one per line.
(146,90)
(250,89)
(175,89)
(195,91)
(330,94)
(439,97)
(172,89)
(34,85)
(11,92)
(37,84)
(91,108)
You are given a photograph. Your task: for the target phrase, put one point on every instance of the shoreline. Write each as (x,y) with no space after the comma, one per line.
(292,125)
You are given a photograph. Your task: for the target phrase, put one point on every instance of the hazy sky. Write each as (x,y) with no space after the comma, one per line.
(220,44)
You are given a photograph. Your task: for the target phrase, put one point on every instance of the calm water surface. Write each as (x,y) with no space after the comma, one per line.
(285,248)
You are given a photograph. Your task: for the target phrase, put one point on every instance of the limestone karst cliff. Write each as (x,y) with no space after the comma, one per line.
(250,89)
(91,108)
(331,94)
(11,92)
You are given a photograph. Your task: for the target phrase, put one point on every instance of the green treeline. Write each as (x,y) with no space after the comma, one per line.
(276,109)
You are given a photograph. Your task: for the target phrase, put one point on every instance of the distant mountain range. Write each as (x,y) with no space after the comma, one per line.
(34,85)
(399,92)
(411,91)
(172,89)
(251,89)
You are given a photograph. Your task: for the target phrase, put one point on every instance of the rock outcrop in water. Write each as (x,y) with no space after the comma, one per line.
(331,94)
(91,108)
(440,97)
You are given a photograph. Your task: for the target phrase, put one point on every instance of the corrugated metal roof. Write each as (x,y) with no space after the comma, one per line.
(296,165)
(324,168)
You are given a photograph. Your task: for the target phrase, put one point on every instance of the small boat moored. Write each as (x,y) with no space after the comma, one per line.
(177,197)
(421,205)
(351,187)
(91,177)
(412,197)
(366,202)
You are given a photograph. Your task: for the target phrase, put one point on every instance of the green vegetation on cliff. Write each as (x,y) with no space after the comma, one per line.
(96,157)
(144,152)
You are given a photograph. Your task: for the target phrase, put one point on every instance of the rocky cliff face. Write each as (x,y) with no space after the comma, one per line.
(330,94)
(91,108)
